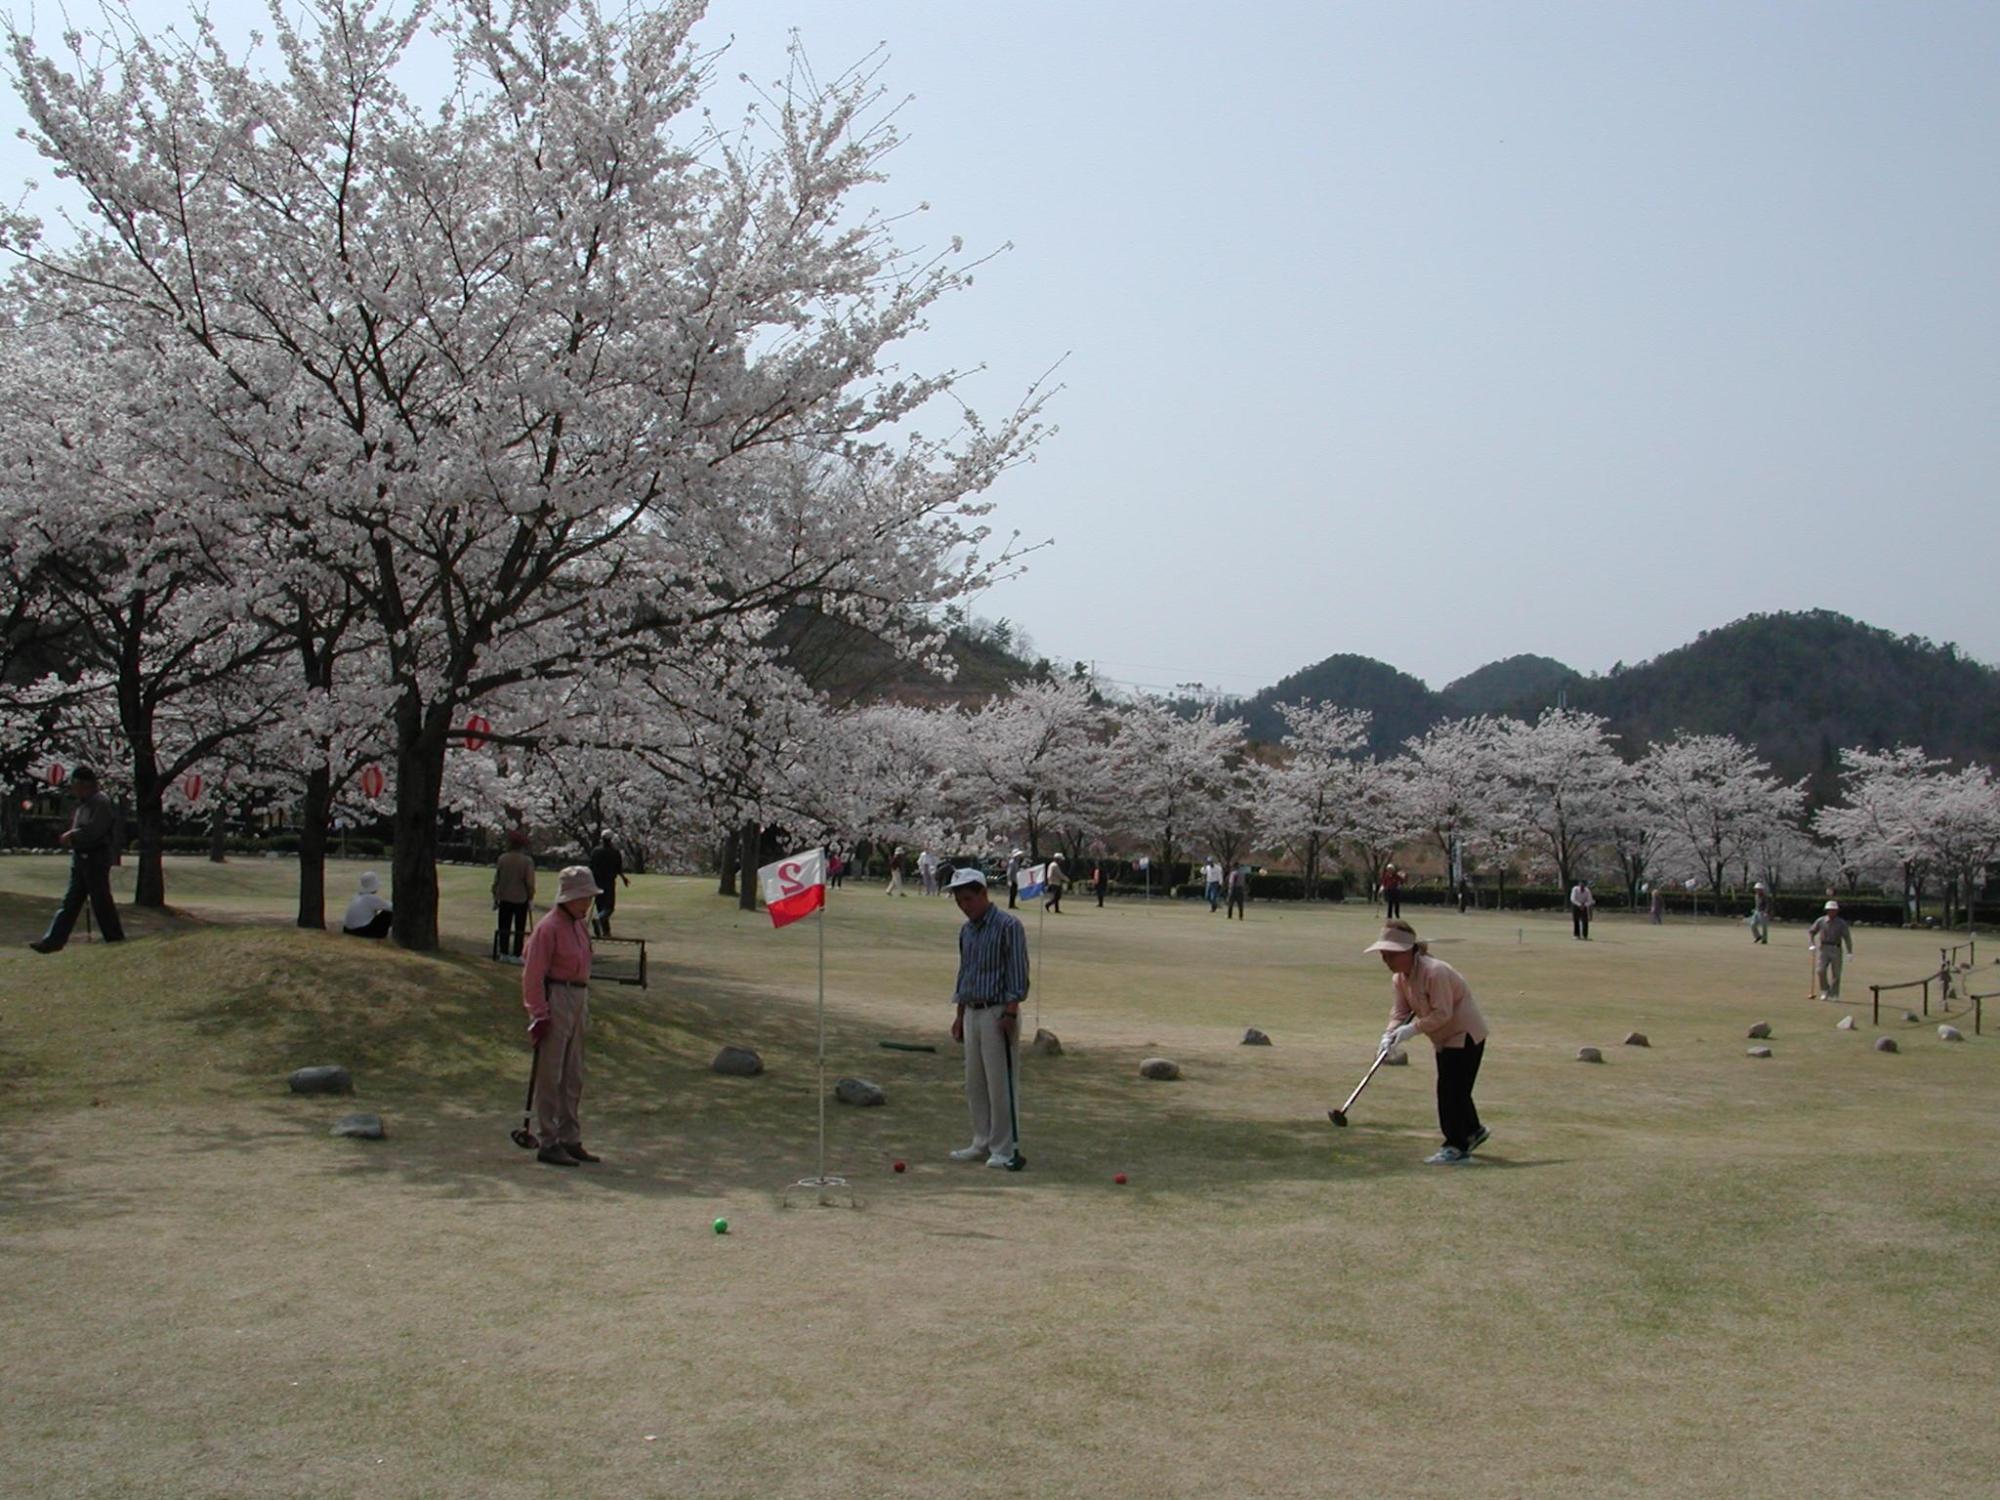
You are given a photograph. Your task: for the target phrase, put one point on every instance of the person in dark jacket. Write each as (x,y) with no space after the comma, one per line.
(92,846)
(607,868)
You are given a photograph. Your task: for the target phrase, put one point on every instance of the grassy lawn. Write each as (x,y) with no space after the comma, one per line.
(1682,1272)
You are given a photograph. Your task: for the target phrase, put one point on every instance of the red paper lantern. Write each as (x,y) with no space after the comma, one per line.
(57,773)
(372,781)
(477,728)
(192,786)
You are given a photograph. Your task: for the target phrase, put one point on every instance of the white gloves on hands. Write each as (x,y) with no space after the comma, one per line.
(1395,1036)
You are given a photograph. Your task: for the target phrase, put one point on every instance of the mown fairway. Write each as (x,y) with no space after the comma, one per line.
(1683,1272)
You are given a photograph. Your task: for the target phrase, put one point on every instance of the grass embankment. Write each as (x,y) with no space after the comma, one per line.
(1682,1272)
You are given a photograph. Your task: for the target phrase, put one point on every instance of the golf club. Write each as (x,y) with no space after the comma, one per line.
(524,1137)
(1017,1161)
(1339,1116)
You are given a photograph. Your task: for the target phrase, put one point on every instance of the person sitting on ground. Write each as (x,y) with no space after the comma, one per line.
(368,915)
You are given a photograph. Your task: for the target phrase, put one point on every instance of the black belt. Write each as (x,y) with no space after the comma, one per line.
(983,1004)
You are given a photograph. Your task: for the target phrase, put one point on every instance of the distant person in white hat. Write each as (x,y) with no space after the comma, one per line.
(1428,995)
(1760,913)
(555,988)
(1827,936)
(992,983)
(367,915)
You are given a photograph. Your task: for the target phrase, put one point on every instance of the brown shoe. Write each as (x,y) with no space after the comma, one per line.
(555,1156)
(575,1149)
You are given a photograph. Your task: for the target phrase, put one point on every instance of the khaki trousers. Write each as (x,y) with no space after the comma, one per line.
(559,1073)
(1829,971)
(987,1060)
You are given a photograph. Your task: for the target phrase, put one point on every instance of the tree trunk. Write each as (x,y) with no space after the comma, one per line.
(312,847)
(726,860)
(420,745)
(218,834)
(748,844)
(149,813)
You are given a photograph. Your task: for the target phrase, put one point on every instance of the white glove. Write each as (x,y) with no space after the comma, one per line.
(1399,1035)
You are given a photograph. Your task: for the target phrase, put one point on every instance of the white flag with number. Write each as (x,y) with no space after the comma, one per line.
(794,887)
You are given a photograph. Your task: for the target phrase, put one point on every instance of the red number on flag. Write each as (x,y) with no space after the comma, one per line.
(788,877)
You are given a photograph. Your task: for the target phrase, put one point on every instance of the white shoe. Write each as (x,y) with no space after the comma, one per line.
(968,1153)
(1000,1163)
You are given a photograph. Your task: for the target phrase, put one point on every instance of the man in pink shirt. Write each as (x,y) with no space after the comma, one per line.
(1430,996)
(555,987)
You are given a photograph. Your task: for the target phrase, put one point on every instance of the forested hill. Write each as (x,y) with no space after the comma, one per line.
(1797,686)
(1801,686)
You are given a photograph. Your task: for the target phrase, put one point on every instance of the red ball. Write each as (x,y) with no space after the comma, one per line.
(1119,1178)
(899,1166)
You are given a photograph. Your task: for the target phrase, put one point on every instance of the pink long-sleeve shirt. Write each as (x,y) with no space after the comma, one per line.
(1437,998)
(558,952)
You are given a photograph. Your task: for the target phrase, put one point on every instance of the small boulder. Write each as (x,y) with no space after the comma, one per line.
(1886,1044)
(326,1079)
(737,1062)
(1397,1058)
(1845,1023)
(1046,1043)
(360,1127)
(1252,1037)
(1950,1034)
(1760,1051)
(1589,1054)
(1911,1016)
(1758,1032)
(1636,1039)
(1163,1069)
(858,1091)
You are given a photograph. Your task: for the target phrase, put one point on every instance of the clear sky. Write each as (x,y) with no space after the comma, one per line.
(1442,332)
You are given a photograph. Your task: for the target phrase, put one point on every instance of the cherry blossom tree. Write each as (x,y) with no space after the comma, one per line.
(1032,760)
(1454,787)
(1172,769)
(1905,806)
(1563,780)
(1714,796)
(1308,799)
(548,378)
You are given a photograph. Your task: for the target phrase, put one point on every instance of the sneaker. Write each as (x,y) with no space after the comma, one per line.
(968,1153)
(1479,1138)
(1449,1156)
(575,1149)
(555,1156)
(1000,1163)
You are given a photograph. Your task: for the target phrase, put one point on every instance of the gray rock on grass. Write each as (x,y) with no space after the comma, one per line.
(1046,1043)
(1636,1039)
(1163,1069)
(1845,1023)
(859,1091)
(1397,1058)
(737,1062)
(327,1078)
(1758,1032)
(1589,1054)
(360,1127)
(1252,1037)
(1760,1051)
(1886,1044)
(1950,1034)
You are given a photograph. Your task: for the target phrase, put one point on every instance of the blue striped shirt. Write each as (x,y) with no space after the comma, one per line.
(992,959)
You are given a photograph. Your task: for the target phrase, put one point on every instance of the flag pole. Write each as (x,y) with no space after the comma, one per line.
(820,923)
(1040,922)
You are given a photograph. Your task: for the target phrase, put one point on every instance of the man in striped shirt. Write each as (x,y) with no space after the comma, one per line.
(992,983)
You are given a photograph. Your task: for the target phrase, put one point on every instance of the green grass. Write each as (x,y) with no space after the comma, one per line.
(1682,1272)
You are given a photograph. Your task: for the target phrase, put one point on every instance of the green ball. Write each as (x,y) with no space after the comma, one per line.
(722,1226)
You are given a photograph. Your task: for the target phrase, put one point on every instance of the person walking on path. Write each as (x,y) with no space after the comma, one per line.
(555,988)
(1211,882)
(895,885)
(1827,936)
(992,983)
(927,872)
(92,844)
(1055,879)
(1580,904)
(513,894)
(1239,892)
(1656,909)
(1392,891)
(1760,914)
(367,915)
(607,870)
(1013,877)
(1428,995)
(1098,883)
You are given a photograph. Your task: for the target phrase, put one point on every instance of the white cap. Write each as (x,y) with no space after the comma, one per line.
(966,875)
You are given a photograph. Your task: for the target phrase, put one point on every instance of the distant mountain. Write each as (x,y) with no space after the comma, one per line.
(1799,687)
(1402,704)
(1501,686)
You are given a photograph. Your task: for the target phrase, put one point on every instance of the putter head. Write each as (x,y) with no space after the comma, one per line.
(1016,1162)
(524,1138)
(1338,1116)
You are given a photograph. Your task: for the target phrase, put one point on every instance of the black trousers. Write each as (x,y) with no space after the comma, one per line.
(89,880)
(1393,899)
(1458,1069)
(1054,903)
(1579,922)
(511,930)
(1235,905)
(378,926)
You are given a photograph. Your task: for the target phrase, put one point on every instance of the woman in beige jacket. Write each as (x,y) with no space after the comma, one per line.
(1430,996)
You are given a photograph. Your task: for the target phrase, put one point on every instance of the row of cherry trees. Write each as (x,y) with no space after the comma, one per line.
(342,418)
